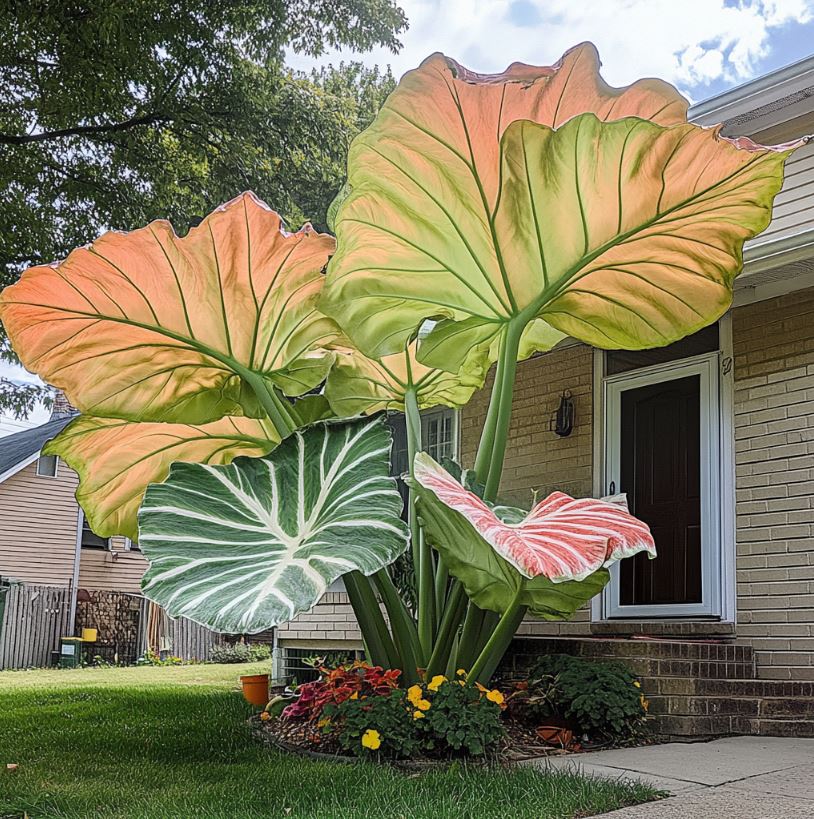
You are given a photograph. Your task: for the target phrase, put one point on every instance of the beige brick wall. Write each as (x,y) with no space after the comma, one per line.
(330,623)
(774,430)
(537,460)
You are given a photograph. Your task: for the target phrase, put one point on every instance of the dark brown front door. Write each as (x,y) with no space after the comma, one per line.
(660,471)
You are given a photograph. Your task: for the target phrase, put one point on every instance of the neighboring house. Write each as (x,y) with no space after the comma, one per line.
(46,542)
(712,438)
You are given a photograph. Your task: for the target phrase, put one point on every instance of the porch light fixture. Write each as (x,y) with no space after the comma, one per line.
(563,421)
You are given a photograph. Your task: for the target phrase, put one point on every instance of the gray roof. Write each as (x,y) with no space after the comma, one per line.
(17,448)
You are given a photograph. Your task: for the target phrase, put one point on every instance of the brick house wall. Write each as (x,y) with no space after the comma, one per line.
(537,460)
(330,623)
(774,431)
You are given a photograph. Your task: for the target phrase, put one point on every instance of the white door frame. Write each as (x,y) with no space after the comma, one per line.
(706,367)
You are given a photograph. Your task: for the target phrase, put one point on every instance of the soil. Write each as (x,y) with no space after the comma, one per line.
(520,743)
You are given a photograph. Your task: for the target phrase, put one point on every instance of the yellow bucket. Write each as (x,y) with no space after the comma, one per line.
(88,635)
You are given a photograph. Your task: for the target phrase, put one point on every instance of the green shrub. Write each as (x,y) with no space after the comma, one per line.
(387,717)
(601,699)
(439,718)
(461,718)
(239,653)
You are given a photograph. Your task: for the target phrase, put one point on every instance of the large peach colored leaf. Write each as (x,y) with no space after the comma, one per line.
(453,208)
(358,384)
(117,459)
(433,156)
(149,326)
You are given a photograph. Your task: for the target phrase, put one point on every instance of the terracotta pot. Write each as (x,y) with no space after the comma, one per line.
(556,735)
(256,688)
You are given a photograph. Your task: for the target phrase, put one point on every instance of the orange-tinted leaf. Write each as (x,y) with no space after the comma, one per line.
(149,326)
(358,384)
(485,201)
(117,459)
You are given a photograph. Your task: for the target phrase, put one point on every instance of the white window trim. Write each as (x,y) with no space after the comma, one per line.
(723,595)
(43,474)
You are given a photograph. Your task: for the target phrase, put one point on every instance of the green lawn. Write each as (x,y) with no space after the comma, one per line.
(169,743)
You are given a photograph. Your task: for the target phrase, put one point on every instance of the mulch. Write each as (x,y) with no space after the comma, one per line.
(520,744)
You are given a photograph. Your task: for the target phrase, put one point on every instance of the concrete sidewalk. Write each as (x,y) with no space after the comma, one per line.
(734,778)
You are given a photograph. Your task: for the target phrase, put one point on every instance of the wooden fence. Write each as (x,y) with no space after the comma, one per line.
(34,619)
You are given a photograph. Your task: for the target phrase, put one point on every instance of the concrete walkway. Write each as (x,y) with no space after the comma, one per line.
(734,778)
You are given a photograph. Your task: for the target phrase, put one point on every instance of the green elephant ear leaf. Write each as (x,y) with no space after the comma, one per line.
(488,580)
(543,201)
(245,547)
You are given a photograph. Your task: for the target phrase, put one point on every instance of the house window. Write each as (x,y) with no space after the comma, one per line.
(90,540)
(438,435)
(47,466)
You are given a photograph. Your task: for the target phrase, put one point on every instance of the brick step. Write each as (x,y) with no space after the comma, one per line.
(695,708)
(764,708)
(651,658)
(699,727)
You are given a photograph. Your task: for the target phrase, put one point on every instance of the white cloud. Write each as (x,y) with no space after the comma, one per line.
(689,42)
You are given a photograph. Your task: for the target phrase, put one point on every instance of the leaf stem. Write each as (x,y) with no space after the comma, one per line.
(507,369)
(270,403)
(422,556)
(453,614)
(500,639)
(402,625)
(365,606)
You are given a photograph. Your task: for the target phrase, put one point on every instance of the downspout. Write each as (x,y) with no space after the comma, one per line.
(75,578)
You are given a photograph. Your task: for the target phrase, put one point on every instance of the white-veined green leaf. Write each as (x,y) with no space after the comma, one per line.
(244,547)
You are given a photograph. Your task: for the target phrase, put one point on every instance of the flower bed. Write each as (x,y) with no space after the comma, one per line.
(564,705)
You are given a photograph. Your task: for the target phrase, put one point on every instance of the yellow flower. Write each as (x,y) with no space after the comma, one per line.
(414,694)
(418,715)
(424,705)
(461,672)
(482,688)
(637,684)
(436,682)
(265,716)
(371,739)
(495,696)
(644,702)
(354,695)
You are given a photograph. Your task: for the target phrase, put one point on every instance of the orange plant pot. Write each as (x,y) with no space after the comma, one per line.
(256,688)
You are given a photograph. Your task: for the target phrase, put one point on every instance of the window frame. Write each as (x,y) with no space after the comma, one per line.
(40,474)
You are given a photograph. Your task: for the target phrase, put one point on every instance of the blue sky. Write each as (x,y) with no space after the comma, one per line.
(702,46)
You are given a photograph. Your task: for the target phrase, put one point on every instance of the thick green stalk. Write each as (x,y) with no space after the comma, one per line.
(453,614)
(441,587)
(271,403)
(507,369)
(468,645)
(500,639)
(402,625)
(371,622)
(424,568)
(498,650)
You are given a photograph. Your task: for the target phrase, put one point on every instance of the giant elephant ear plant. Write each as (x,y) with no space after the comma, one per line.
(512,210)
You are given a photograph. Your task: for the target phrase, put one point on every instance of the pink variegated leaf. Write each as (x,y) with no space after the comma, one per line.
(561,538)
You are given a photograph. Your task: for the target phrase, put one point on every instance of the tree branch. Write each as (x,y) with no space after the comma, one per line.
(79,130)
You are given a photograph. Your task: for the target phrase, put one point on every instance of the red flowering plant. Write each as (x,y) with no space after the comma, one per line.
(357,680)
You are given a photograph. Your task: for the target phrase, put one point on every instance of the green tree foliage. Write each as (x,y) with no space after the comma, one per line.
(113,114)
